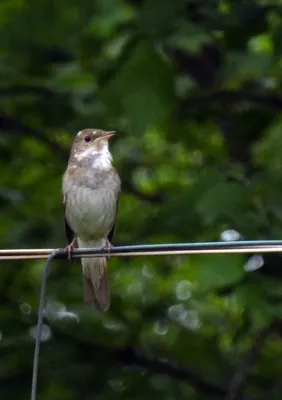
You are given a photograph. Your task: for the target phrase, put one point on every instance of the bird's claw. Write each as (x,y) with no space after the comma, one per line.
(69,249)
(108,247)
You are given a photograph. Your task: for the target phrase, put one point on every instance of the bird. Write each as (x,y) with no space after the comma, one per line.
(91,189)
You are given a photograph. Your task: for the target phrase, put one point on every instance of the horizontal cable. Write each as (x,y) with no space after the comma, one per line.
(260,246)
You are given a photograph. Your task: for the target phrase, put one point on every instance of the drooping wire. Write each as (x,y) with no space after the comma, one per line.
(40,322)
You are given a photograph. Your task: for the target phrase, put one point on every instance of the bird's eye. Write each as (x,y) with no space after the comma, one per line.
(87,138)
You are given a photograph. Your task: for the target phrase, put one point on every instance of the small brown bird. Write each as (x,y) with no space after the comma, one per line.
(91,188)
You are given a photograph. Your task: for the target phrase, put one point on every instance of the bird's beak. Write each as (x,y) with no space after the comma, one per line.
(107,135)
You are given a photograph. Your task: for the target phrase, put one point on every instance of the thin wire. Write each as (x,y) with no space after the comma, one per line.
(260,246)
(53,255)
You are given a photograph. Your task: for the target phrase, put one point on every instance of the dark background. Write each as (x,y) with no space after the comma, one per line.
(193,90)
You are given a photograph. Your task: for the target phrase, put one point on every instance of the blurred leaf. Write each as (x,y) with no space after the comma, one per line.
(217,271)
(267,151)
(259,310)
(142,89)
(223,200)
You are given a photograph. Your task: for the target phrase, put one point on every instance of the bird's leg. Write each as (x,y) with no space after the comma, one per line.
(70,248)
(108,246)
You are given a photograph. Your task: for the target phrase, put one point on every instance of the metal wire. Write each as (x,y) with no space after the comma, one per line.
(260,246)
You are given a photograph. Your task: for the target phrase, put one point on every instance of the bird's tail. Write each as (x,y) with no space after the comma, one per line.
(95,274)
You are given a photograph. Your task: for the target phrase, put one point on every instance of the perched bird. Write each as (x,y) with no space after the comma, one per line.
(91,188)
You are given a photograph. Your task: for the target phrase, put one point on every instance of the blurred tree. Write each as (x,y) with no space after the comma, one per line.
(193,90)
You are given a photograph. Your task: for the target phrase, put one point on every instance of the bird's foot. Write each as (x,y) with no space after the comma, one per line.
(70,248)
(108,247)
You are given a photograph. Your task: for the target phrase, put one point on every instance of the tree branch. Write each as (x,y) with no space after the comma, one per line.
(239,379)
(135,357)
(267,99)
(14,126)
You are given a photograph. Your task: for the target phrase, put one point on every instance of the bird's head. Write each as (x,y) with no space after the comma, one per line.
(92,141)
(91,144)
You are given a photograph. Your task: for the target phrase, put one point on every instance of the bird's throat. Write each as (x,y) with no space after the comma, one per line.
(93,159)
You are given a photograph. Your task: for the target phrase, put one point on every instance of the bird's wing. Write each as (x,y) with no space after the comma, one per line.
(69,232)
(113,230)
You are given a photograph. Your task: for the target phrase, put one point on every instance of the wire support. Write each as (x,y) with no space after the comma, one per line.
(40,317)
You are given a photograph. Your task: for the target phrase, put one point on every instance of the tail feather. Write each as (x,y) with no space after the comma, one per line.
(96,284)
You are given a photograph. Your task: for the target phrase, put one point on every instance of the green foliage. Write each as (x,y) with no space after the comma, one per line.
(192,88)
